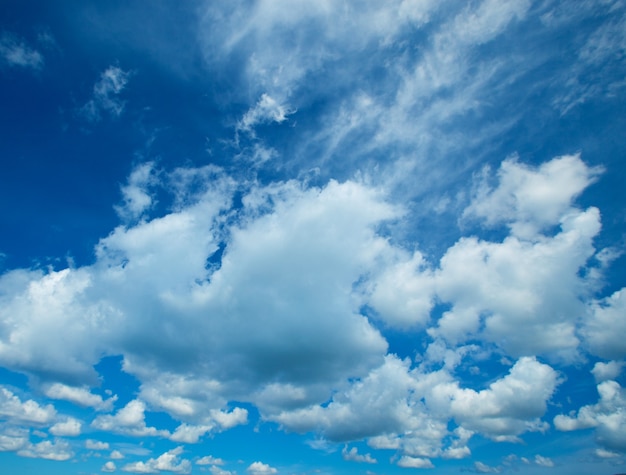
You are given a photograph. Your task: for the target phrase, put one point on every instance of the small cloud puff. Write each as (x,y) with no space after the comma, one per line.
(105,97)
(15,52)
(260,468)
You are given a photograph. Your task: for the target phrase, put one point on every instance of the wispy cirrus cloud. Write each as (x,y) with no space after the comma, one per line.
(16,53)
(105,98)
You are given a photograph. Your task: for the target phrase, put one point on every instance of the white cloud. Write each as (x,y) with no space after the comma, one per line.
(608,417)
(59,341)
(96,445)
(209,460)
(136,195)
(58,450)
(606,454)
(484,468)
(414,462)
(219,471)
(170,461)
(106,92)
(353,455)
(531,200)
(109,467)
(544,461)
(297,266)
(403,294)
(81,396)
(260,468)
(502,291)
(128,420)
(13,439)
(603,371)
(69,427)
(116,455)
(14,52)
(266,110)
(508,407)
(13,409)
(604,328)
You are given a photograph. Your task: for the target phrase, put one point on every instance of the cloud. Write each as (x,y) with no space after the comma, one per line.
(106,93)
(128,420)
(543,461)
(484,468)
(604,327)
(260,468)
(209,460)
(81,396)
(219,471)
(109,467)
(96,445)
(528,200)
(13,439)
(604,371)
(302,268)
(136,193)
(353,455)
(30,412)
(70,427)
(509,406)
(58,450)
(15,52)
(267,109)
(169,461)
(608,417)
(414,462)
(505,287)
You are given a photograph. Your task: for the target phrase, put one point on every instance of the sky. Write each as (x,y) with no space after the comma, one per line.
(313,237)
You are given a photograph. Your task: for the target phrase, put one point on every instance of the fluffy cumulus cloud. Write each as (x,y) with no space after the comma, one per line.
(128,420)
(377,274)
(503,291)
(260,468)
(604,329)
(81,396)
(68,427)
(353,455)
(30,412)
(607,417)
(296,268)
(169,461)
(58,450)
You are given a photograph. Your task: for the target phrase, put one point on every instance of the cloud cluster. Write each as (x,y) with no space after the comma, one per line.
(297,267)
(607,417)
(169,461)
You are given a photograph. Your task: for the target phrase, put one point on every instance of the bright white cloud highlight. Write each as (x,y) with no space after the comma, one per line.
(81,396)
(128,420)
(58,450)
(29,412)
(260,468)
(606,326)
(70,427)
(608,417)
(353,455)
(414,462)
(170,461)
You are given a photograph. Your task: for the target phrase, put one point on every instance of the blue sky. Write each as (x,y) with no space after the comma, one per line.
(292,237)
